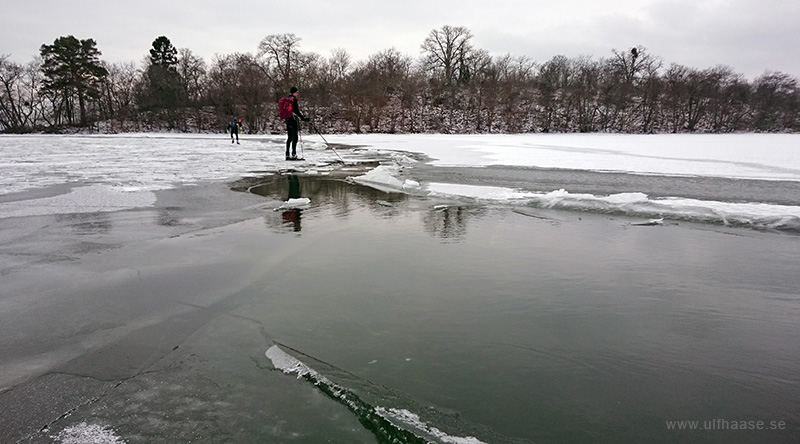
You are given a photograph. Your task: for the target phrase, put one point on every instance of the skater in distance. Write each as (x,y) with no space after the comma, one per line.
(235,126)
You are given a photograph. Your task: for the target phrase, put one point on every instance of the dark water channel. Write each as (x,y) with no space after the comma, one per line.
(482,323)
(563,327)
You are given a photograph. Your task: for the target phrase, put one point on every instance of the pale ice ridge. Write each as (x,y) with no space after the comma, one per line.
(406,421)
(481,192)
(411,420)
(758,215)
(290,365)
(84,433)
(384,178)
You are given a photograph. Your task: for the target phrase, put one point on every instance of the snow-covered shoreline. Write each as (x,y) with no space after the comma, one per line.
(122,171)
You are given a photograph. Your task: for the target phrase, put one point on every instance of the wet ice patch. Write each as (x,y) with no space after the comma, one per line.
(84,433)
(89,199)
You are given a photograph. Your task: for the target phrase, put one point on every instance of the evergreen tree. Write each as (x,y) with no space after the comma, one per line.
(164,89)
(72,70)
(164,54)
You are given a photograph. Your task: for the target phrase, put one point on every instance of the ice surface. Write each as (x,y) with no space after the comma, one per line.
(384,178)
(140,161)
(123,170)
(738,156)
(401,418)
(295,203)
(759,215)
(84,433)
(750,156)
(477,191)
(289,364)
(88,199)
(411,420)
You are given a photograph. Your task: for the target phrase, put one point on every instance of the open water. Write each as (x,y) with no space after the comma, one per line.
(506,324)
(365,316)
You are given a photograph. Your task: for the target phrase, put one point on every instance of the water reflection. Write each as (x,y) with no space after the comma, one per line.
(87,223)
(446,222)
(339,198)
(326,194)
(169,217)
(291,217)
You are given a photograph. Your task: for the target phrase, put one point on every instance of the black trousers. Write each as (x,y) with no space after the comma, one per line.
(292,129)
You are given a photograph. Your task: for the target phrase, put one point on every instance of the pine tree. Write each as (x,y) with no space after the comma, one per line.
(164,87)
(72,69)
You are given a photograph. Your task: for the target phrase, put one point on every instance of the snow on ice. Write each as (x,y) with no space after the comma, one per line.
(123,170)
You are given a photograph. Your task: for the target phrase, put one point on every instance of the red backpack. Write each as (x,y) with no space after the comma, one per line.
(285,107)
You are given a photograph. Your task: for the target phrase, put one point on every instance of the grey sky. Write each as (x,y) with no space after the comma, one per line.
(750,36)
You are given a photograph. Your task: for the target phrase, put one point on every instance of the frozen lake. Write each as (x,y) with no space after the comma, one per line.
(451,300)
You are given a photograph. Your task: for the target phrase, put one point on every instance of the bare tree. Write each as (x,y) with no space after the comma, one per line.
(452,88)
(445,51)
(222,85)
(381,80)
(776,102)
(12,95)
(119,93)
(282,53)
(339,64)
(728,105)
(554,77)
(583,92)
(192,70)
(624,76)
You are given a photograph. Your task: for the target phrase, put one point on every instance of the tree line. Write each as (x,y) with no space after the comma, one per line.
(452,87)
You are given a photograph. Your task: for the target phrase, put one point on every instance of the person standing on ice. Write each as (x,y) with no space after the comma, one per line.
(292,126)
(234,126)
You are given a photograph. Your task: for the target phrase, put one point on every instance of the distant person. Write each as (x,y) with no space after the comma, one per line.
(292,126)
(234,127)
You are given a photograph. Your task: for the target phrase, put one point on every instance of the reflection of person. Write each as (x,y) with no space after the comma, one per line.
(294,186)
(234,126)
(292,126)
(292,215)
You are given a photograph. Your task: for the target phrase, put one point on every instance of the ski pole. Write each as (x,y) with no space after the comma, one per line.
(302,152)
(326,142)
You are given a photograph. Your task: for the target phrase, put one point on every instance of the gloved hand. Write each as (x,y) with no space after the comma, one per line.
(306,119)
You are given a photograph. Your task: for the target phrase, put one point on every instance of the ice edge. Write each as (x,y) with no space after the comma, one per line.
(388,424)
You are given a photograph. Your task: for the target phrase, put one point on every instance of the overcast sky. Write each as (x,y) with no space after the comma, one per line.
(750,36)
